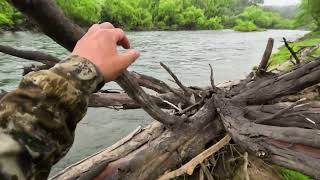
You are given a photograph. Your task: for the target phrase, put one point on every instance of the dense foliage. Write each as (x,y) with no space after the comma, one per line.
(242,15)
(9,17)
(82,11)
(255,18)
(309,14)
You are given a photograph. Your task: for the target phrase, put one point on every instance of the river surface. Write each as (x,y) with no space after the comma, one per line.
(187,53)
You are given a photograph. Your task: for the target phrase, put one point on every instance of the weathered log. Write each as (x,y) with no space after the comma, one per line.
(264,90)
(266,56)
(296,148)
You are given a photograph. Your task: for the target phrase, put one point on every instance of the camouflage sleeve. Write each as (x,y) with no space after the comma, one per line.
(38,120)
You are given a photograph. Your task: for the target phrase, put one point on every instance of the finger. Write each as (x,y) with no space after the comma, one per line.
(106,25)
(121,38)
(127,58)
(94,27)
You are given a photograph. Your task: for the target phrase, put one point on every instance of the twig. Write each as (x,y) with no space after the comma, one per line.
(294,55)
(206,172)
(2,93)
(245,166)
(193,106)
(30,55)
(151,83)
(172,105)
(281,112)
(266,56)
(201,175)
(182,97)
(185,89)
(214,88)
(191,165)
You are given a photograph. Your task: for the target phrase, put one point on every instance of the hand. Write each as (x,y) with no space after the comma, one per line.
(99,45)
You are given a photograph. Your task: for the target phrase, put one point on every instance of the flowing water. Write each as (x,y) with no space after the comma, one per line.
(187,53)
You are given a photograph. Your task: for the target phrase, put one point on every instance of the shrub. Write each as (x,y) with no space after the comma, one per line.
(215,23)
(245,26)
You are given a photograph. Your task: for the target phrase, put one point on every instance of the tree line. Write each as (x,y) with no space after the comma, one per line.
(241,15)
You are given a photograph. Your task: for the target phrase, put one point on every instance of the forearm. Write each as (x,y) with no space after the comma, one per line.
(37,121)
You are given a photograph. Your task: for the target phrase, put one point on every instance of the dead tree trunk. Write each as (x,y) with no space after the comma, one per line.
(286,134)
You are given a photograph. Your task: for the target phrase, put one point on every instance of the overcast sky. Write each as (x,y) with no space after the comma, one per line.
(281,2)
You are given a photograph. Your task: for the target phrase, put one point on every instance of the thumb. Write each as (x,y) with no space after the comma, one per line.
(128,57)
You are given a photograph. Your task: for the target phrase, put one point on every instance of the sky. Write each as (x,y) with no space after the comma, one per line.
(281,2)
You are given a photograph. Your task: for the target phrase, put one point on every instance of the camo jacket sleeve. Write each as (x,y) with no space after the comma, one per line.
(38,119)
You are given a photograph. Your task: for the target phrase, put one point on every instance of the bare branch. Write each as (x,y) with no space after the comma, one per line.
(191,165)
(294,55)
(30,55)
(151,83)
(135,92)
(206,171)
(185,89)
(281,112)
(214,88)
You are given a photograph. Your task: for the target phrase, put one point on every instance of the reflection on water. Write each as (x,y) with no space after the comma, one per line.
(187,53)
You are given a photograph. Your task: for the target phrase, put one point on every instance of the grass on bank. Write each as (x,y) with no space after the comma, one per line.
(288,174)
(311,39)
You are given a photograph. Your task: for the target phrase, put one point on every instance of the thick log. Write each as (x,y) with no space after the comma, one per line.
(295,148)
(265,90)
(152,152)
(123,101)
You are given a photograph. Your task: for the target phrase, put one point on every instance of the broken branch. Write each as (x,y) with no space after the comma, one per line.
(266,56)
(191,165)
(294,55)
(281,112)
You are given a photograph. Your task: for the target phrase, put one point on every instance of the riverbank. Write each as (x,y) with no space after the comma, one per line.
(306,49)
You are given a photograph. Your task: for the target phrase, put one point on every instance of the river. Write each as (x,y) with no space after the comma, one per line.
(187,53)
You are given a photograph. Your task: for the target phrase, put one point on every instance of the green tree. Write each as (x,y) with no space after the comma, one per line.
(9,16)
(309,14)
(84,12)
(193,18)
(169,12)
(263,18)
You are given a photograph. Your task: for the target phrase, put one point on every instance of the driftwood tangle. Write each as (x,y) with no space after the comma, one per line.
(201,117)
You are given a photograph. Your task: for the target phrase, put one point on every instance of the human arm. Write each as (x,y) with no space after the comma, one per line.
(38,119)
